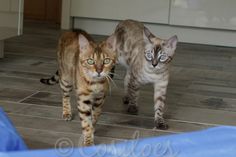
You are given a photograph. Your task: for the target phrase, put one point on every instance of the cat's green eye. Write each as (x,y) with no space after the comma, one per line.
(106,60)
(90,61)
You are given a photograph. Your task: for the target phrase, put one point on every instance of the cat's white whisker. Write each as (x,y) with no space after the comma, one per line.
(113,82)
(109,84)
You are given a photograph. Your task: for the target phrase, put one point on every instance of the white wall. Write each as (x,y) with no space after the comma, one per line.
(11,20)
(185,34)
(142,10)
(191,20)
(219,14)
(11,17)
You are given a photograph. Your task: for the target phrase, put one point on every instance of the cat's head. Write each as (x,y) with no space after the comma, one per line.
(159,51)
(96,60)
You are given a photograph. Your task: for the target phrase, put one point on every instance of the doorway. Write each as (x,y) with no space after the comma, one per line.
(43,10)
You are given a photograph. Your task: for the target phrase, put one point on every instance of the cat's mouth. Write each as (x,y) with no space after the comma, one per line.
(99,75)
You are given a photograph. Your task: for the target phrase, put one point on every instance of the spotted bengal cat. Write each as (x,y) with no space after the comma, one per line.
(84,66)
(146,58)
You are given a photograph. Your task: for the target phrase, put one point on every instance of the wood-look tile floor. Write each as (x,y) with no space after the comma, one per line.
(201,92)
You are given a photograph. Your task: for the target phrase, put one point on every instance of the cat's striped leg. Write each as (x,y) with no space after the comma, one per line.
(97,108)
(85,114)
(132,94)
(66,105)
(159,104)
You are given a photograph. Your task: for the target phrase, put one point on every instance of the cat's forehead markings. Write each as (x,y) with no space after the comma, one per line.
(97,50)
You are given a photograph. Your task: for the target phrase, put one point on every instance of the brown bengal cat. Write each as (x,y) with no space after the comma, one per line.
(84,66)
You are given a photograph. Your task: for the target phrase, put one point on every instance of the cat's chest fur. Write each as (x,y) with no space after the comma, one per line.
(149,74)
(98,89)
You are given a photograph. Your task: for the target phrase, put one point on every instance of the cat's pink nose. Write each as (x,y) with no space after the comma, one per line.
(99,68)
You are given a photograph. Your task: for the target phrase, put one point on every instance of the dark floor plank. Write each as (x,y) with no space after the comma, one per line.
(209,102)
(213,88)
(11,94)
(198,99)
(107,118)
(20,83)
(60,125)
(22,74)
(21,63)
(209,116)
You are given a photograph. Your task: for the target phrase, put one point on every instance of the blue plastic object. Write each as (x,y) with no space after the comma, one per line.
(214,142)
(9,138)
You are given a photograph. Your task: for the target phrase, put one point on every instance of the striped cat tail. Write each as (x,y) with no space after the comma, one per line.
(51,81)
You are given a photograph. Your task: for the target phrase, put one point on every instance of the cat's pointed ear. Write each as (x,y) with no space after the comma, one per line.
(172,41)
(111,42)
(83,42)
(148,36)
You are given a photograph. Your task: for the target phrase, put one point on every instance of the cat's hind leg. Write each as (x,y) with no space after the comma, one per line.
(131,93)
(66,88)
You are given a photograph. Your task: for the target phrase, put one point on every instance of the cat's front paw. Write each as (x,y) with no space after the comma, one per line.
(161,124)
(88,142)
(132,109)
(67,117)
